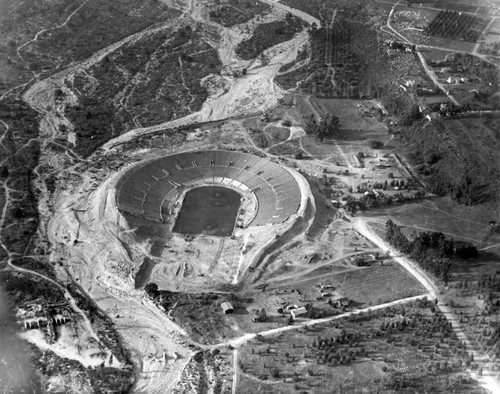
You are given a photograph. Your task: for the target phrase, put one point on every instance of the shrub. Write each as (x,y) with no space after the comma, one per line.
(375,144)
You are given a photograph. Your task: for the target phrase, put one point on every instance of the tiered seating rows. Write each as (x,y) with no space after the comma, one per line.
(145,187)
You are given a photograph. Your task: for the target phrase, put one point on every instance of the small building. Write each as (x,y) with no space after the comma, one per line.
(341,302)
(227,307)
(261,316)
(294,313)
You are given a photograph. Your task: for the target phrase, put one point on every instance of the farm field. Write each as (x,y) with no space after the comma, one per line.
(374,285)
(382,281)
(441,214)
(457,26)
(435,55)
(422,39)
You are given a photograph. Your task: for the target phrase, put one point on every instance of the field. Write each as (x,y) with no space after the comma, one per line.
(423,26)
(455,221)
(277,134)
(409,347)
(473,287)
(420,38)
(208,210)
(355,116)
(457,26)
(479,86)
(435,55)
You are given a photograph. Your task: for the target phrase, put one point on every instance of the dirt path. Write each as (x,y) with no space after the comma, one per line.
(488,382)
(251,93)
(236,370)
(72,303)
(35,38)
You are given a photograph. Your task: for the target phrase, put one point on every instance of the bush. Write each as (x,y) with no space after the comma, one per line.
(375,144)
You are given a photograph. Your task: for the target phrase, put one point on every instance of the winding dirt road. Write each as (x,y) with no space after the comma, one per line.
(254,91)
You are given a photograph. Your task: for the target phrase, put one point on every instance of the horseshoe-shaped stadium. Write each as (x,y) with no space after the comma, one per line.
(148,188)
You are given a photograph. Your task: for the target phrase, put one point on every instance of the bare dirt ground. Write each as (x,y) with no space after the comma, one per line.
(98,258)
(86,231)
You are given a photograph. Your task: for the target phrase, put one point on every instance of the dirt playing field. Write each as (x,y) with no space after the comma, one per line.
(208,210)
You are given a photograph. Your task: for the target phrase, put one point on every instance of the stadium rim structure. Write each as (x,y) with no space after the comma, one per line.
(147,189)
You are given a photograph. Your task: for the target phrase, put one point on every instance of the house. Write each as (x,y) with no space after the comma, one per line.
(341,302)
(298,312)
(261,316)
(227,307)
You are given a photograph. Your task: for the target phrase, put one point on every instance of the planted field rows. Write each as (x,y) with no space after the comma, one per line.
(458,26)
(378,284)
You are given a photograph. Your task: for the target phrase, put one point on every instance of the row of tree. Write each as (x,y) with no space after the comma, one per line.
(432,250)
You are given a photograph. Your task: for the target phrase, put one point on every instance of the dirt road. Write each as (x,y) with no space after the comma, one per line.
(488,382)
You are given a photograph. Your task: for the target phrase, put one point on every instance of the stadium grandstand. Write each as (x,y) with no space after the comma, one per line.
(147,189)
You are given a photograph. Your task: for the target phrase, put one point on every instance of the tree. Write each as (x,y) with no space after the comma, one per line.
(275,373)
(327,127)
(151,290)
(375,144)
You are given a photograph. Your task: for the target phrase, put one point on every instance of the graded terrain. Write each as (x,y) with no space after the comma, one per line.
(251,196)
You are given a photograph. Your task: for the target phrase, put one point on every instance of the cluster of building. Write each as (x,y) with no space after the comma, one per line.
(42,315)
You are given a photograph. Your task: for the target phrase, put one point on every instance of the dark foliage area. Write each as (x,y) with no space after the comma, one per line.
(200,314)
(36,265)
(375,144)
(234,12)
(93,123)
(21,148)
(110,380)
(89,29)
(456,25)
(400,104)
(345,55)
(103,380)
(101,323)
(342,348)
(327,127)
(21,288)
(449,167)
(432,250)
(301,55)
(146,82)
(269,34)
